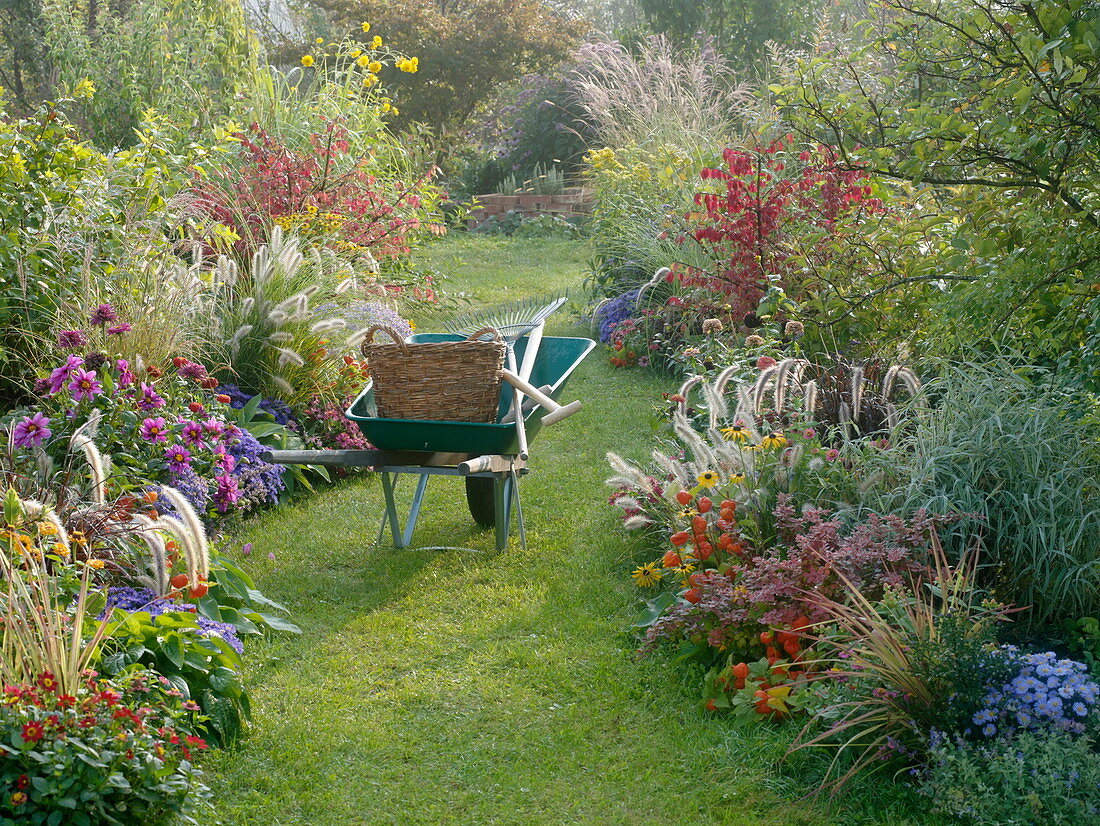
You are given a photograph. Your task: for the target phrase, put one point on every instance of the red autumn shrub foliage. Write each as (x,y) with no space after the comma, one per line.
(326,196)
(769,208)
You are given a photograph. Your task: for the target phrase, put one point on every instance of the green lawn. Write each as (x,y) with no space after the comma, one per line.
(475,687)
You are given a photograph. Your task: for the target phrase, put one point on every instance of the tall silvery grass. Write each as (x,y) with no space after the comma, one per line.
(1017,456)
(270,339)
(660,95)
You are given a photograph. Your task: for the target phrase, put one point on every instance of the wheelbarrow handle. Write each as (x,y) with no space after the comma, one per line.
(557,411)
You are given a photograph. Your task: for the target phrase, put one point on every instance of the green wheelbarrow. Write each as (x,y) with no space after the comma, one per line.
(491,457)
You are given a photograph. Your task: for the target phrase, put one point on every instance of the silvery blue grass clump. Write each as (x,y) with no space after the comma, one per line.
(1047,693)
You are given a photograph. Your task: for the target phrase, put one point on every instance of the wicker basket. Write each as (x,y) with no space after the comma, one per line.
(449,381)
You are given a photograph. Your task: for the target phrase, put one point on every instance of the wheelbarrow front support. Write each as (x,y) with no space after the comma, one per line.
(503,470)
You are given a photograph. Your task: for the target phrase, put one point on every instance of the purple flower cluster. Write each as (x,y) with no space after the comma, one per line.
(363,314)
(615,311)
(194,488)
(1046,693)
(145,599)
(258,482)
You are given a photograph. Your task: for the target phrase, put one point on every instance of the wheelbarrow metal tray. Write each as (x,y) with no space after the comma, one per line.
(557,358)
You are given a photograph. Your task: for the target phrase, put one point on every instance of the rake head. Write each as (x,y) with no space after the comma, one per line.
(512,320)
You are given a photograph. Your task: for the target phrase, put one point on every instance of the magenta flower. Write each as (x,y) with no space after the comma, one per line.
(149,399)
(808,433)
(125,376)
(154,430)
(103,314)
(72,338)
(179,458)
(831,454)
(119,329)
(213,430)
(192,370)
(60,376)
(31,431)
(223,459)
(83,385)
(192,434)
(227,493)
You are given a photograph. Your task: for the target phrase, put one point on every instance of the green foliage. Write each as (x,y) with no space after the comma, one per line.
(205,669)
(466,49)
(995,105)
(740,29)
(115,61)
(71,220)
(1008,451)
(111,752)
(1049,779)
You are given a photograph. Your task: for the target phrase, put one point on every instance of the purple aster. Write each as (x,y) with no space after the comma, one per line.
(192,434)
(83,385)
(154,430)
(149,399)
(178,458)
(103,314)
(60,376)
(227,493)
(31,431)
(71,339)
(119,329)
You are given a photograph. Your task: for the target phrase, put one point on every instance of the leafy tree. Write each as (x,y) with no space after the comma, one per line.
(740,28)
(466,48)
(992,106)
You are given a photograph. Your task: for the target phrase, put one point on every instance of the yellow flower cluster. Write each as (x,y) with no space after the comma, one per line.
(311,221)
(408,64)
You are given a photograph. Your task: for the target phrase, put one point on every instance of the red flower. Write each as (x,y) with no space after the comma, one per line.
(47,681)
(33,731)
(23,782)
(196,742)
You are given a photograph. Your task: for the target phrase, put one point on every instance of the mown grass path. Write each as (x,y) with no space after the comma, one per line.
(476,687)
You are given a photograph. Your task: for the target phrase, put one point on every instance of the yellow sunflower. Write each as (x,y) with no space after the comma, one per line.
(736,432)
(648,575)
(708,479)
(774,439)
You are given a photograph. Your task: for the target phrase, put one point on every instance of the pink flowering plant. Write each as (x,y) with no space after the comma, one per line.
(162,427)
(111,751)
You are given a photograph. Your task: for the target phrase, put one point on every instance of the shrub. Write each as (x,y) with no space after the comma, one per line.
(1030,779)
(324,195)
(111,751)
(919,659)
(1009,450)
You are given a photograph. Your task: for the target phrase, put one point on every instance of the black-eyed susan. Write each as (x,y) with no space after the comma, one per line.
(707,479)
(737,479)
(736,432)
(774,439)
(648,575)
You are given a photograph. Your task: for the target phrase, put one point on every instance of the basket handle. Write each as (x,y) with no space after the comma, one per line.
(479,333)
(369,337)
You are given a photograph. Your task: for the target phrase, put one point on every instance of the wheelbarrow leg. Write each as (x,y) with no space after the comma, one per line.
(502,507)
(513,481)
(388,484)
(414,510)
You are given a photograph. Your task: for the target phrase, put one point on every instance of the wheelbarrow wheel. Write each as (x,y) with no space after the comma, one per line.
(479,497)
